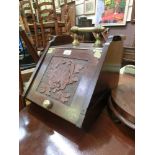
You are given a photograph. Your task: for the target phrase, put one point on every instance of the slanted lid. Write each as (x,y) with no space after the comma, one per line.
(65,81)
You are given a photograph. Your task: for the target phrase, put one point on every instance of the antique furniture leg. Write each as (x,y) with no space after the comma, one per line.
(24,23)
(21,103)
(29,46)
(35,26)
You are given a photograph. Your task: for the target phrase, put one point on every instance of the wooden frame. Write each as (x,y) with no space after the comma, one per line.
(79,10)
(89,7)
(115,13)
(133,12)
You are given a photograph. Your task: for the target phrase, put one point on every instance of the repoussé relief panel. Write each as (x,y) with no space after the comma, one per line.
(61,79)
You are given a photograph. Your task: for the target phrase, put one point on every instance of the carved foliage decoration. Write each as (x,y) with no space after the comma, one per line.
(61,78)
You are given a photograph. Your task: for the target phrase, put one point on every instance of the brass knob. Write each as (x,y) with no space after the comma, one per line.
(47,104)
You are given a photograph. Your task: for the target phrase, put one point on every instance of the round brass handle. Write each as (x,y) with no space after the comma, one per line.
(47,104)
(96,29)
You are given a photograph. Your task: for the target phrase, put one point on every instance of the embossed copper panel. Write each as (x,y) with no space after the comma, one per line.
(61,79)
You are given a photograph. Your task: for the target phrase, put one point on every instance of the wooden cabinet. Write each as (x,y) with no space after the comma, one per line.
(68,81)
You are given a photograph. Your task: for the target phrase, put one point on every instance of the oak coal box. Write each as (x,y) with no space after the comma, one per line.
(68,80)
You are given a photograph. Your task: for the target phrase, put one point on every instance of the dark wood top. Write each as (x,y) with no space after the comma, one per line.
(41,133)
(123,98)
(124,94)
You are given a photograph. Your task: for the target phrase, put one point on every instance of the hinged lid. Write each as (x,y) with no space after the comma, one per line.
(65,81)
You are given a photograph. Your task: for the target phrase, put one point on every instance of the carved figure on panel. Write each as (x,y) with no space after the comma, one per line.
(61,73)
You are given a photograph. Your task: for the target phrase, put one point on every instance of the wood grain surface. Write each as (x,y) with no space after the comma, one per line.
(41,133)
(123,100)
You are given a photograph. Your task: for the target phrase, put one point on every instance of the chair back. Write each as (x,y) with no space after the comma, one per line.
(46,10)
(47,19)
(28,12)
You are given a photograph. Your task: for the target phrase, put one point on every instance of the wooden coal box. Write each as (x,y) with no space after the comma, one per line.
(68,81)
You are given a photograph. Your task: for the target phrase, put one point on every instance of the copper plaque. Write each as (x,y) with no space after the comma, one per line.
(61,79)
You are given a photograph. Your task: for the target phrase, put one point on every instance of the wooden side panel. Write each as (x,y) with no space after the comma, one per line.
(112,64)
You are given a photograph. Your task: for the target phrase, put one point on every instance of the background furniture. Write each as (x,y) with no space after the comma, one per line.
(68,14)
(31,49)
(40,21)
(47,17)
(48,20)
(31,22)
(122,101)
(23,7)
(21,89)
